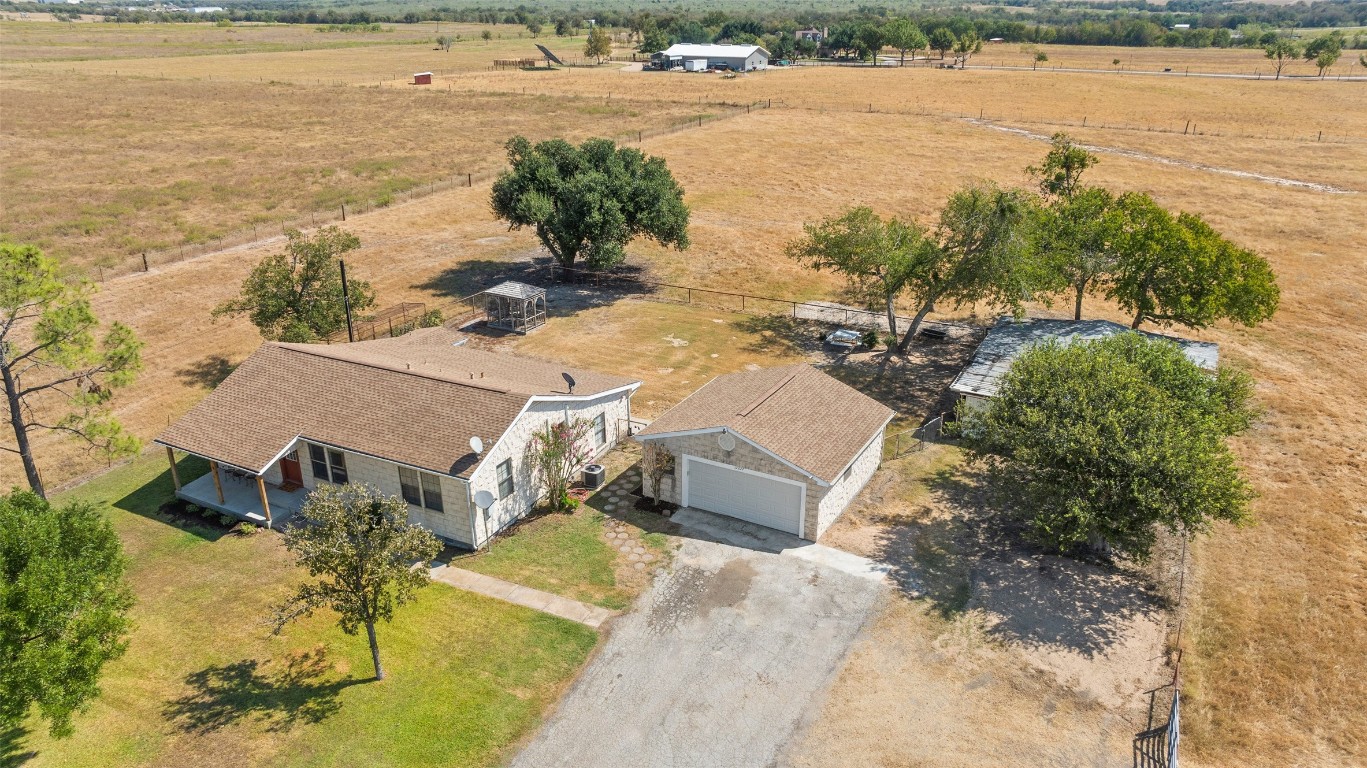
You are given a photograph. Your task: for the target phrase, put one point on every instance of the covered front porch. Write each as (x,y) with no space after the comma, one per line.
(242,495)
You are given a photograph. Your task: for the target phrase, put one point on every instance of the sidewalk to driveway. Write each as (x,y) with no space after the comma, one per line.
(588,615)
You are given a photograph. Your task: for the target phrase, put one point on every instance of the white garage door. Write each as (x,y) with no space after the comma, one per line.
(761,499)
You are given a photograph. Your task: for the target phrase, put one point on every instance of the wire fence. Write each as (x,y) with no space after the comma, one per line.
(1157,747)
(265,231)
(822,312)
(912,440)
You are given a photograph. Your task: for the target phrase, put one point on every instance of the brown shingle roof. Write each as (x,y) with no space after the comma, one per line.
(796,412)
(362,397)
(433,352)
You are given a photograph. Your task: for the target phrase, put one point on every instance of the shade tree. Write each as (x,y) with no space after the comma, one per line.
(297,295)
(1179,270)
(942,39)
(64,604)
(876,257)
(1282,51)
(904,35)
(1103,443)
(364,558)
(58,375)
(599,43)
(588,201)
(986,251)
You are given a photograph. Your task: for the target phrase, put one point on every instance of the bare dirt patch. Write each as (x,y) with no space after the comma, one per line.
(1061,652)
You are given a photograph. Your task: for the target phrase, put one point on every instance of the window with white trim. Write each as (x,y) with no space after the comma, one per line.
(421,489)
(505,478)
(328,464)
(600,429)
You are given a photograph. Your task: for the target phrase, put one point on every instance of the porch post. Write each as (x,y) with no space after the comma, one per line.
(265,503)
(175,475)
(218,484)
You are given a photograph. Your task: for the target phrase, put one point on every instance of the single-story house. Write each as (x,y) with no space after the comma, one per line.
(419,416)
(787,448)
(741,58)
(980,379)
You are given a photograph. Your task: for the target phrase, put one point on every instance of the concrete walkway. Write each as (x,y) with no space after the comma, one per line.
(588,615)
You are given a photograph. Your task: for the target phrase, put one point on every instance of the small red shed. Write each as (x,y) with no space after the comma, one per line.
(422,78)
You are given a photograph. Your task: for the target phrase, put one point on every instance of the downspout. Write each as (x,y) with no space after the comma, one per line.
(470,510)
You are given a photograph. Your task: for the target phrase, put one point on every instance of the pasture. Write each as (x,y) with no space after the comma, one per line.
(1276,638)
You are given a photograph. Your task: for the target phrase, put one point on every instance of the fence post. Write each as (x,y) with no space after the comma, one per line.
(144,261)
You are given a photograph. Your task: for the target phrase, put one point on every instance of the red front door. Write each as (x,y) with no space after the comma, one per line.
(289,468)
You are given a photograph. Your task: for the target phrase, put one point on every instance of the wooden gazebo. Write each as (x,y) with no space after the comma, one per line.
(514,306)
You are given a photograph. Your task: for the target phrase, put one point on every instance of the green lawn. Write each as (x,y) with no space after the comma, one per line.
(565,554)
(203,683)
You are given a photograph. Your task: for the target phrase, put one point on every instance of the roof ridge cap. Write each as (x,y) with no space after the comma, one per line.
(747,410)
(474,384)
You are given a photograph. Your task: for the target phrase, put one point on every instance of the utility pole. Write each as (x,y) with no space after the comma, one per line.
(346,302)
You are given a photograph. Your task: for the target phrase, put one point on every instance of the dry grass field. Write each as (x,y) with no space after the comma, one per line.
(28,41)
(99,169)
(1276,664)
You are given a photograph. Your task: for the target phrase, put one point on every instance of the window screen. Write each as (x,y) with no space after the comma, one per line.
(318,460)
(505,478)
(338,462)
(408,484)
(431,492)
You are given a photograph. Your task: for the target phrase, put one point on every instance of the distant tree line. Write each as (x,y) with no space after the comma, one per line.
(1206,23)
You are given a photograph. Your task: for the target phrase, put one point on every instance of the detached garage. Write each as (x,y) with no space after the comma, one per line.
(787,448)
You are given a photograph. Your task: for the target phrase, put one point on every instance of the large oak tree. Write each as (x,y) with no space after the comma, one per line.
(589,201)
(1101,443)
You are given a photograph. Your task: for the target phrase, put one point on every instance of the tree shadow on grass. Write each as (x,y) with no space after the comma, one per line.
(781,334)
(209,372)
(474,275)
(303,690)
(12,753)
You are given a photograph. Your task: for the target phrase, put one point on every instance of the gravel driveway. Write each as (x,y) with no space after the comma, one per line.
(720,664)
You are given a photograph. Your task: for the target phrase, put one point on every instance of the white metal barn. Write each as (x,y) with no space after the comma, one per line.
(787,448)
(741,58)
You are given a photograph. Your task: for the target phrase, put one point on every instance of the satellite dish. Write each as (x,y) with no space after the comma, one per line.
(727,441)
(569,380)
(484,499)
(477,445)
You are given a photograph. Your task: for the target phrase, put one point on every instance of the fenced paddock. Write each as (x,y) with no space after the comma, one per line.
(823,312)
(390,321)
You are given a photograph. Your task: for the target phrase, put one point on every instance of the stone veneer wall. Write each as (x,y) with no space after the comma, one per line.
(843,491)
(512,445)
(745,456)
(824,503)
